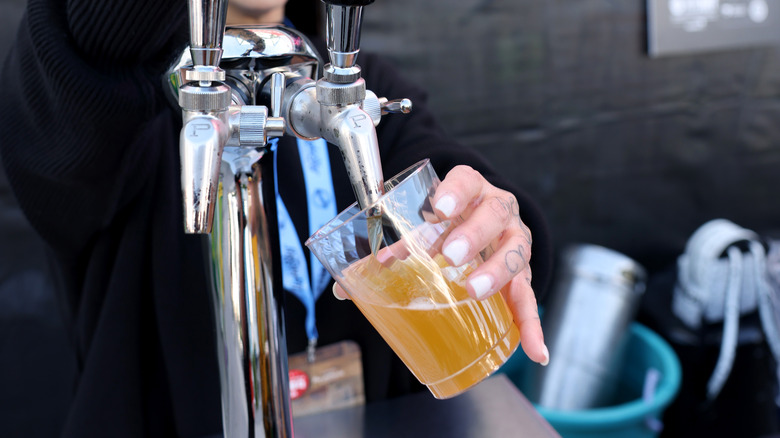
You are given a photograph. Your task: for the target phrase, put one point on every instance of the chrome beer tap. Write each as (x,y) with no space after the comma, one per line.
(204,100)
(210,122)
(348,113)
(221,145)
(226,84)
(340,94)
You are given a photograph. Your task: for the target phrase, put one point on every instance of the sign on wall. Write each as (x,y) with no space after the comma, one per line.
(690,26)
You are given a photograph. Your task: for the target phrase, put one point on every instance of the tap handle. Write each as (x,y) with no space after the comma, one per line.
(277,93)
(275,125)
(207,28)
(343,30)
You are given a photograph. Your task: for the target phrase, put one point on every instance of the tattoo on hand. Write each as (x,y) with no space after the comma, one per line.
(511,207)
(526,233)
(510,260)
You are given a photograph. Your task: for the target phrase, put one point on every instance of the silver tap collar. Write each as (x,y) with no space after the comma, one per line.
(204,73)
(329,93)
(341,75)
(195,98)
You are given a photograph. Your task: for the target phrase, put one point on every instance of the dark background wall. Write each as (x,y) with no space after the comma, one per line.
(620,150)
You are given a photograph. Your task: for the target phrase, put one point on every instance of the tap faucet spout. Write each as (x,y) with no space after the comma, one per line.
(344,90)
(353,131)
(345,115)
(200,147)
(204,101)
(201,142)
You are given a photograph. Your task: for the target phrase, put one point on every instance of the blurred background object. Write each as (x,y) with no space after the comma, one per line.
(622,150)
(647,381)
(592,303)
(608,376)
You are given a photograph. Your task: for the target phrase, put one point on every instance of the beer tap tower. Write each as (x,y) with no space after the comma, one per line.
(227,179)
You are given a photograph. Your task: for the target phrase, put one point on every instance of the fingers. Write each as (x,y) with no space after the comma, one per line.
(425,238)
(486,223)
(462,186)
(494,217)
(522,302)
(507,263)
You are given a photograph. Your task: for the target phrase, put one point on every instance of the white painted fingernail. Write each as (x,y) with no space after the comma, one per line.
(482,284)
(446,205)
(546,353)
(456,251)
(338,297)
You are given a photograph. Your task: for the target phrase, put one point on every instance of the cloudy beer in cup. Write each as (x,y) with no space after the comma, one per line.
(411,295)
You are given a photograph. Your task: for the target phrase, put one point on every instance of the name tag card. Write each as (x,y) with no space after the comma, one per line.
(676,27)
(333,381)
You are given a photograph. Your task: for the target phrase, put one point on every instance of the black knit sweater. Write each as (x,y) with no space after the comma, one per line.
(90,146)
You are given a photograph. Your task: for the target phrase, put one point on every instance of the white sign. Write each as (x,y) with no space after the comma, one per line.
(688,26)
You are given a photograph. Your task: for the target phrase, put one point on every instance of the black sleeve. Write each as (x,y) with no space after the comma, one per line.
(89,143)
(406,139)
(79,85)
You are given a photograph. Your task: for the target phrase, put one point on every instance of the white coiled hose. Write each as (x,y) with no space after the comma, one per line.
(713,289)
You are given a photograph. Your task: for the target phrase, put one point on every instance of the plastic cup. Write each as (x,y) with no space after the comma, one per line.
(410,294)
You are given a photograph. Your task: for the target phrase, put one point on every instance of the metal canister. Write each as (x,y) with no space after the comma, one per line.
(594,299)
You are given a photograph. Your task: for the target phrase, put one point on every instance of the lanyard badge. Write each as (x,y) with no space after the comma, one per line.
(330,377)
(307,285)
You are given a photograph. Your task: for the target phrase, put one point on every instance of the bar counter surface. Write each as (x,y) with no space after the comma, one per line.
(493,408)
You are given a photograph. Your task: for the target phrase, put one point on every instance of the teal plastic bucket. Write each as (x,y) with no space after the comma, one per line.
(631,415)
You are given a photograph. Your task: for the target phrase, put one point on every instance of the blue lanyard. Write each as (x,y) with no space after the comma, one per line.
(321,207)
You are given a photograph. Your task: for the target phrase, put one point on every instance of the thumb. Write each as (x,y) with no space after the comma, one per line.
(339,292)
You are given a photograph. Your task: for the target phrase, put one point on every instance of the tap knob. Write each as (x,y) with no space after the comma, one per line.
(395,106)
(376,107)
(255,126)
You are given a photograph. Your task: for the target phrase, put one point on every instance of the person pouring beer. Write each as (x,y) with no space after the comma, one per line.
(90,146)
